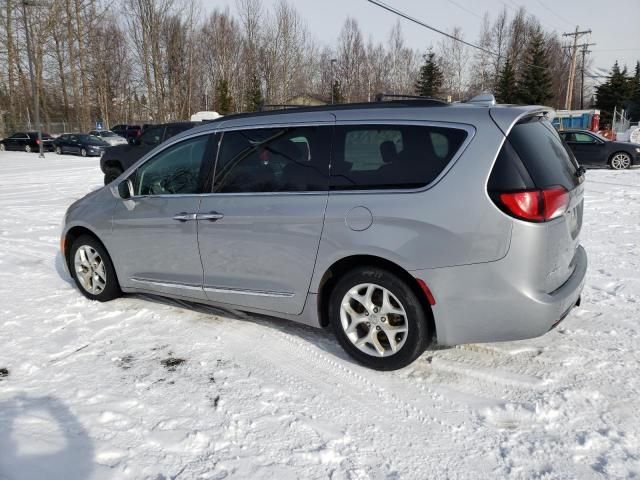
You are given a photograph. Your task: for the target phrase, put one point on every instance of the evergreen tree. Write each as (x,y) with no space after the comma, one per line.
(535,87)
(336,92)
(507,88)
(614,93)
(634,102)
(255,100)
(224,102)
(431,78)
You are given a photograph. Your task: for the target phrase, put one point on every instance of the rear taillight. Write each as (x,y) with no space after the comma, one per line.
(538,205)
(37,141)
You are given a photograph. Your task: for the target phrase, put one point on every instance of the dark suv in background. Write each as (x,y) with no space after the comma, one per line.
(118,158)
(130,132)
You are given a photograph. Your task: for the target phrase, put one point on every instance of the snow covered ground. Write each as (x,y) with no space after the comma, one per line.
(155,389)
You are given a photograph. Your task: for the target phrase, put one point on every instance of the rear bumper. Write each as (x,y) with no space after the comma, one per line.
(481,303)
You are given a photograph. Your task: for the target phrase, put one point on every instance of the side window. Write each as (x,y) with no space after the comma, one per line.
(180,168)
(18,135)
(153,136)
(584,138)
(371,157)
(273,160)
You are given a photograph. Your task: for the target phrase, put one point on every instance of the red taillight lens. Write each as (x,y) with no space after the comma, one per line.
(536,205)
(37,141)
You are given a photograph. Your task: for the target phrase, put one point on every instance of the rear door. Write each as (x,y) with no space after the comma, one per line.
(73,144)
(16,141)
(260,227)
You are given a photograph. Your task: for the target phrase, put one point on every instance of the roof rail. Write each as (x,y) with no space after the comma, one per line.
(380,97)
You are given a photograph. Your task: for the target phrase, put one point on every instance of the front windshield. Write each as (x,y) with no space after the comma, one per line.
(107,133)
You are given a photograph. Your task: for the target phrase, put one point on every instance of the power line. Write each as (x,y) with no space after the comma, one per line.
(406,16)
(554,13)
(421,23)
(462,7)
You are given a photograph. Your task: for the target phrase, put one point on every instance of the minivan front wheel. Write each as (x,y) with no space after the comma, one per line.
(92,270)
(378,319)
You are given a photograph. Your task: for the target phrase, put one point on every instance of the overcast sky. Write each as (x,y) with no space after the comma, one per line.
(615,24)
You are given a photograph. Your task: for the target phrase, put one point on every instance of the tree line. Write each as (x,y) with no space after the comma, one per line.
(128,61)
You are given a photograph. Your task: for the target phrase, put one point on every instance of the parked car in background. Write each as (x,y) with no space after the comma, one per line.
(118,158)
(591,149)
(108,136)
(27,141)
(80,144)
(395,224)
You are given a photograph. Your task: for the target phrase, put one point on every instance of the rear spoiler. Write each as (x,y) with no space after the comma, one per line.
(506,117)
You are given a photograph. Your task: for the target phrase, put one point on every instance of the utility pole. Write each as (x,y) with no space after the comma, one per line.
(572,72)
(584,52)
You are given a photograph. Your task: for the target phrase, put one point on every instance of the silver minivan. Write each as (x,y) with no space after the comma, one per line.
(396,224)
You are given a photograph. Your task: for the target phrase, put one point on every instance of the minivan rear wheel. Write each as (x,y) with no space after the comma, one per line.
(92,270)
(378,319)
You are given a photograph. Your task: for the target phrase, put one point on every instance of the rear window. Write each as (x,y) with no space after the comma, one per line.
(371,157)
(543,154)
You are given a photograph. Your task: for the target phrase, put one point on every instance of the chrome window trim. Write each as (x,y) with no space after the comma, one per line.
(470,129)
(471,132)
(146,159)
(256,127)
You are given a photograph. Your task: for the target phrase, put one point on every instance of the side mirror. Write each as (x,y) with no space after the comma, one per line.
(125,189)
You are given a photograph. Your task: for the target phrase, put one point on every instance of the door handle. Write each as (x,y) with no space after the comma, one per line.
(211,216)
(184,216)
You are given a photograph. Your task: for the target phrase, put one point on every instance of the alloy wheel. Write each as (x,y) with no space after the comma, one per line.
(90,269)
(27,149)
(374,320)
(620,161)
(83,152)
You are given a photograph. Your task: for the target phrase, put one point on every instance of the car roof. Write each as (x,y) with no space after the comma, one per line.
(504,116)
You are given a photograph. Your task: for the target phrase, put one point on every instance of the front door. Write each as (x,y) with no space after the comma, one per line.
(155,240)
(260,228)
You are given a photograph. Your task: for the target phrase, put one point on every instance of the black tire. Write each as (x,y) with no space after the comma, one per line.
(111,288)
(27,148)
(418,335)
(110,174)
